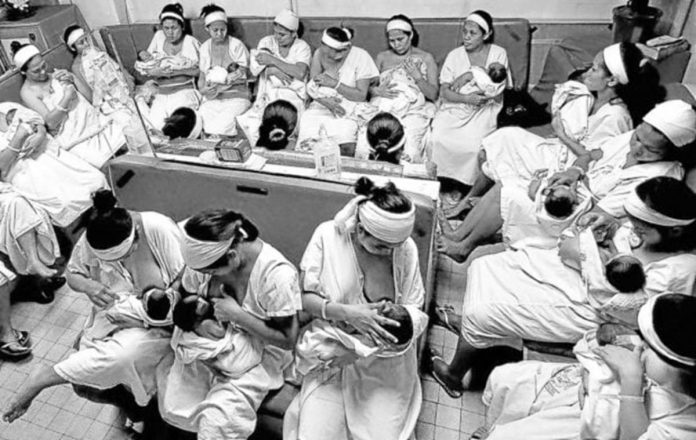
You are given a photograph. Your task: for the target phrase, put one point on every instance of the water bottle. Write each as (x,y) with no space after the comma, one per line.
(327,156)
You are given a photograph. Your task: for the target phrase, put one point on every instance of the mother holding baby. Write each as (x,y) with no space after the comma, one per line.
(353,265)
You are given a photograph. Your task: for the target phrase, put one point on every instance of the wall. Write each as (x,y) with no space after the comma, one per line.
(690,34)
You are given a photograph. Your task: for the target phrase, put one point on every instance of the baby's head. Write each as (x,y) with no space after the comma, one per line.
(184,122)
(560,201)
(157,303)
(625,273)
(497,72)
(404,332)
(191,311)
(232,67)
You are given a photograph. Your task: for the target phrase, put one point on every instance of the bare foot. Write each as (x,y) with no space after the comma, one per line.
(440,372)
(40,269)
(456,250)
(20,404)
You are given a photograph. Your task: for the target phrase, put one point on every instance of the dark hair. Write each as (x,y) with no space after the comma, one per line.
(210,8)
(643,90)
(66,34)
(15,46)
(387,197)
(383,132)
(673,320)
(107,225)
(673,198)
(158,304)
(404,331)
(498,74)
(180,124)
(415,37)
(340,34)
(278,123)
(175,8)
(625,273)
(558,206)
(489,20)
(220,225)
(184,314)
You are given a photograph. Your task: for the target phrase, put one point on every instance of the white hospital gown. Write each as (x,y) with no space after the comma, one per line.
(358,65)
(129,357)
(220,112)
(455,145)
(271,89)
(220,407)
(55,180)
(375,397)
(164,104)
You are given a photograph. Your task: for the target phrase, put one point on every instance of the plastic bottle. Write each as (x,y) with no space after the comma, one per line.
(327,156)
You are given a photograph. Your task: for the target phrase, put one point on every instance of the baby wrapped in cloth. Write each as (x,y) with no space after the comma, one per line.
(489,82)
(275,93)
(161,61)
(572,102)
(408,94)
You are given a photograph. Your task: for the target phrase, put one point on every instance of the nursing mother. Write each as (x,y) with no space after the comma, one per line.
(454,145)
(281,62)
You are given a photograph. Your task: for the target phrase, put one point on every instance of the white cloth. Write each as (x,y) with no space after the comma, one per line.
(128,357)
(19,217)
(127,308)
(270,88)
(226,407)
(85,132)
(572,101)
(55,180)
(675,119)
(455,145)
(6,275)
(374,397)
(358,65)
(106,79)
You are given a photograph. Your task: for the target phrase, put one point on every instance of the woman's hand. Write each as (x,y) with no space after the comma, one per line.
(602,225)
(234,77)
(227,309)
(412,67)
(64,76)
(34,143)
(21,135)
(265,59)
(460,81)
(103,297)
(625,363)
(367,320)
(567,177)
(209,91)
(326,80)
(334,106)
(385,91)
(282,76)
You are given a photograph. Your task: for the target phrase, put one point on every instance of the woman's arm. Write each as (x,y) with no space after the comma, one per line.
(357,93)
(97,292)
(54,118)
(576,147)
(428,85)
(316,67)
(297,70)
(85,89)
(451,96)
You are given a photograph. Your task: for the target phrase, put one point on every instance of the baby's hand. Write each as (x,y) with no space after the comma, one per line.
(145,55)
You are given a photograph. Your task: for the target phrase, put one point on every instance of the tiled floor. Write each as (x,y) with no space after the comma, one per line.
(59,414)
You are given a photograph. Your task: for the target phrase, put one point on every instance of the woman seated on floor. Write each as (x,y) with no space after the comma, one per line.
(531,294)
(654,148)
(121,253)
(656,395)
(59,97)
(256,291)
(352,265)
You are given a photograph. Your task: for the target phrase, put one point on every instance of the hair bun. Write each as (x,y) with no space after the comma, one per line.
(364,186)
(103,201)
(15,46)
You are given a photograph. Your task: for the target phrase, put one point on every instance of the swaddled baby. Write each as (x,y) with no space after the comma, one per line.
(29,120)
(228,351)
(399,81)
(488,82)
(572,102)
(322,342)
(294,84)
(161,61)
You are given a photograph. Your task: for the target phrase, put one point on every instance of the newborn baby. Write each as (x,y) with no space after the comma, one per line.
(296,85)
(572,102)
(488,82)
(399,81)
(149,62)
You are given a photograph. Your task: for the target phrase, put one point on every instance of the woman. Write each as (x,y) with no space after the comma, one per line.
(531,294)
(227,58)
(109,87)
(277,125)
(625,89)
(351,266)
(405,59)
(455,146)
(121,253)
(58,182)
(281,62)
(59,98)
(657,397)
(652,149)
(255,289)
(348,70)
(171,60)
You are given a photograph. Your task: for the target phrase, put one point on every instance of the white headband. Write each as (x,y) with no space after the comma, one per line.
(476,18)
(647,329)
(75,35)
(117,252)
(399,25)
(199,254)
(24,54)
(615,63)
(288,20)
(215,16)
(334,43)
(173,15)
(675,119)
(197,127)
(398,146)
(638,209)
(384,225)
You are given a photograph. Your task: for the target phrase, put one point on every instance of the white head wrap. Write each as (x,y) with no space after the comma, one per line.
(647,329)
(675,119)
(215,16)
(170,14)
(614,62)
(479,20)
(197,128)
(117,252)
(199,254)
(288,20)
(638,209)
(383,225)
(73,36)
(334,43)
(24,54)
(399,25)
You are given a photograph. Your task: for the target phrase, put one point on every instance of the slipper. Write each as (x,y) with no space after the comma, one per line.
(481,433)
(442,318)
(13,351)
(22,338)
(453,393)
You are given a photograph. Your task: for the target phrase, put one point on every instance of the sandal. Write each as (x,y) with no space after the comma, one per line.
(22,338)
(13,351)
(481,433)
(452,392)
(442,317)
